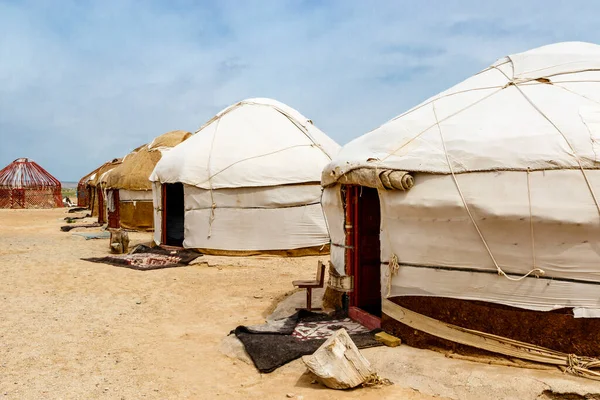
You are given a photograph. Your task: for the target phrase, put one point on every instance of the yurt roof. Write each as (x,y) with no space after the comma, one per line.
(26,173)
(86,178)
(107,166)
(535,110)
(136,167)
(256,142)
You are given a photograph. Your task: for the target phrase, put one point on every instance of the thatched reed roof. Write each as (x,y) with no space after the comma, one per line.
(136,167)
(86,178)
(94,178)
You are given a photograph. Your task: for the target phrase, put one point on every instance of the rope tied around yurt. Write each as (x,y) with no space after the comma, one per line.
(393,268)
(535,270)
(531,220)
(515,84)
(582,366)
(211,217)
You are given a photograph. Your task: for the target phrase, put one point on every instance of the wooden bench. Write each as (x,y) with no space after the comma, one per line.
(310,285)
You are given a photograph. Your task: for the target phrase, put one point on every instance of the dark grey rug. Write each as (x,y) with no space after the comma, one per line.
(277,343)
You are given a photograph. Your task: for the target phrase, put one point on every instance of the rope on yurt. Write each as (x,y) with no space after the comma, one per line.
(303,129)
(558,85)
(326,223)
(438,122)
(251,158)
(293,120)
(213,206)
(217,119)
(393,268)
(443,96)
(464,201)
(585,177)
(394,262)
(531,220)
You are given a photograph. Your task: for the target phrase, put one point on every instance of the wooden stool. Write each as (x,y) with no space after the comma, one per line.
(310,285)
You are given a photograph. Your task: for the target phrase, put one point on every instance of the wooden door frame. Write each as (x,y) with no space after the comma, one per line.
(351,232)
(352,258)
(163,213)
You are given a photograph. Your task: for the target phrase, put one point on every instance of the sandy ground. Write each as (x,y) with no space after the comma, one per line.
(71,329)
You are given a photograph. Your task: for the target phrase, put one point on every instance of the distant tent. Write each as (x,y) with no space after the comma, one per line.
(247,182)
(25,184)
(127,188)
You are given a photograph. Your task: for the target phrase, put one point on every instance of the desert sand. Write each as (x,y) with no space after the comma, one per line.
(71,329)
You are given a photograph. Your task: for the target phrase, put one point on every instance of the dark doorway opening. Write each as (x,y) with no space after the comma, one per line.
(363,227)
(101,217)
(173,214)
(91,197)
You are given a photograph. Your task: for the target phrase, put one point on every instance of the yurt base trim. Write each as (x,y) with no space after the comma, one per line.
(303,252)
(532,333)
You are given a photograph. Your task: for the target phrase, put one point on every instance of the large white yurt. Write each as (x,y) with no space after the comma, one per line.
(487,193)
(247,181)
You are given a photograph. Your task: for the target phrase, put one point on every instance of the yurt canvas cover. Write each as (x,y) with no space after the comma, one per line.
(25,184)
(505,204)
(251,180)
(127,187)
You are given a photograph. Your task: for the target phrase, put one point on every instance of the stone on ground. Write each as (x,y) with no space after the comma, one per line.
(338,364)
(232,347)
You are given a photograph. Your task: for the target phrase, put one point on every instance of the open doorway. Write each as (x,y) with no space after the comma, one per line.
(91,194)
(101,208)
(363,257)
(173,214)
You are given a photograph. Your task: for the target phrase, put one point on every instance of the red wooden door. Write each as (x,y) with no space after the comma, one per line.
(363,220)
(114,216)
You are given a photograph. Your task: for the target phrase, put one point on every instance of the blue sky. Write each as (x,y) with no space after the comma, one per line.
(85,81)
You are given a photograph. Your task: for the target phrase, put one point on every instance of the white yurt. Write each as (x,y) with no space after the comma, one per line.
(487,192)
(247,181)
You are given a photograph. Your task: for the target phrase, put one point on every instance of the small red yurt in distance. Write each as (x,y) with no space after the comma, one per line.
(24,184)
